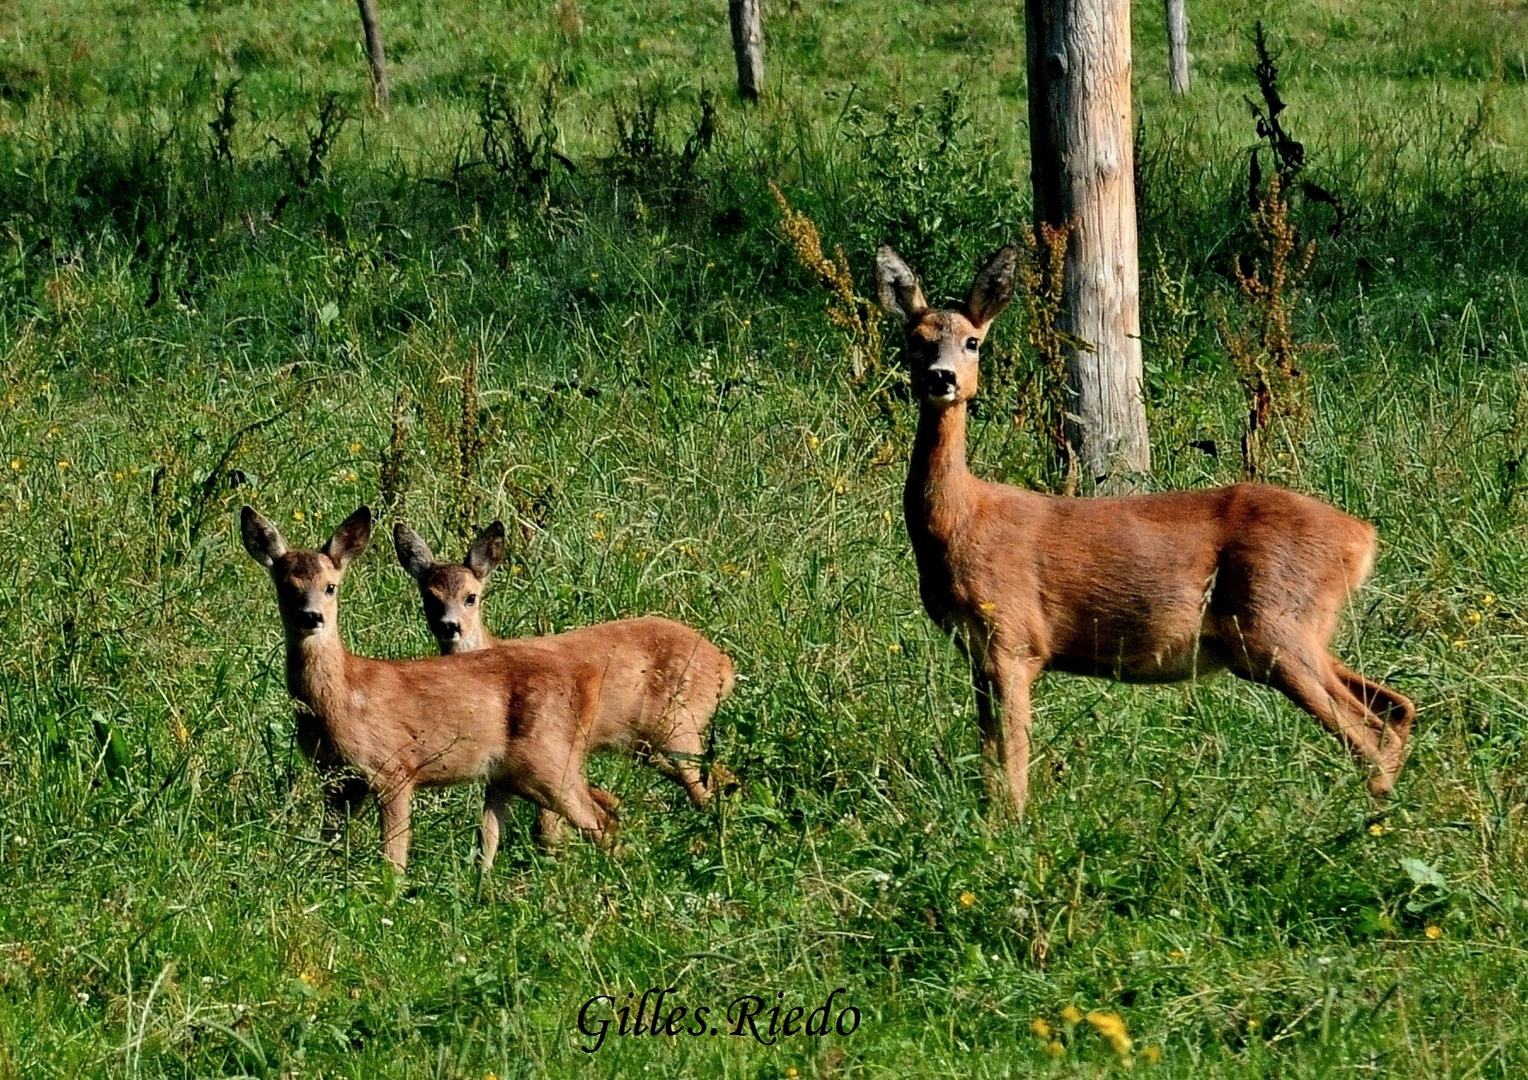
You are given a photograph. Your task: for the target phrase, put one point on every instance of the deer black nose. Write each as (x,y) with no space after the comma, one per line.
(310,620)
(450,629)
(938,381)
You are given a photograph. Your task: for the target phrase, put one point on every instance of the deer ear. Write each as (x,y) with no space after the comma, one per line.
(414,555)
(350,539)
(261,539)
(897,287)
(993,287)
(487,551)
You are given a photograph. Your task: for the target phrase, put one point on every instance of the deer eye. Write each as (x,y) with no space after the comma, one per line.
(971,344)
(329,589)
(471,598)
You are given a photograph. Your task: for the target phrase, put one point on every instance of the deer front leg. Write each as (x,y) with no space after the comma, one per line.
(992,737)
(496,802)
(1013,676)
(396,801)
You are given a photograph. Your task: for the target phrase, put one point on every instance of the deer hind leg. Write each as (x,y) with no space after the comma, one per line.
(682,748)
(578,803)
(1315,686)
(1392,714)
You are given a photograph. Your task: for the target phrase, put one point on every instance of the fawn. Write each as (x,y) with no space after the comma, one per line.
(452,596)
(1139,588)
(519,718)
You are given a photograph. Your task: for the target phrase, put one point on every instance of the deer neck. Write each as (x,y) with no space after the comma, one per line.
(939,486)
(315,669)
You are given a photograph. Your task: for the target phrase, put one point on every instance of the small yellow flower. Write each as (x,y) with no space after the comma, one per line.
(355,448)
(813,442)
(318,515)
(792,1072)
(1039,1028)
(639,555)
(967,899)
(1176,954)
(1252,1024)
(297,515)
(599,534)
(62,465)
(1460,643)
(840,486)
(594,275)
(1054,1049)
(117,476)
(986,607)
(1487,600)
(1376,829)
(894,648)
(1152,1055)
(351,476)
(1472,618)
(1433,931)
(886,517)
(181,733)
(599,515)
(16,464)
(53,430)
(1071,1014)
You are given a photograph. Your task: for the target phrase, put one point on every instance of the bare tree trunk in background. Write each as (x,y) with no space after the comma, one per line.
(1083,176)
(748,45)
(374,51)
(1177,44)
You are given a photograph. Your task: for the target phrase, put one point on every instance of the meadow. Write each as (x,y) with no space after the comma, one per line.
(553,287)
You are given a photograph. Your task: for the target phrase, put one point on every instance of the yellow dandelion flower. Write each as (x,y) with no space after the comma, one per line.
(1112,1028)
(886,516)
(1071,1014)
(639,555)
(351,476)
(967,899)
(490,1076)
(1487,600)
(1252,1023)
(1460,643)
(1054,1049)
(813,442)
(355,448)
(599,534)
(840,486)
(599,515)
(1433,931)
(1039,1028)
(1151,1055)
(894,648)
(1472,618)
(986,607)
(16,464)
(792,1072)
(62,465)
(1176,954)
(594,275)
(318,515)
(1376,829)
(53,430)
(117,476)
(298,515)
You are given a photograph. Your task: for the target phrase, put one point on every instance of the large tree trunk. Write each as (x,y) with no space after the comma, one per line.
(374,51)
(748,45)
(1177,44)
(1083,175)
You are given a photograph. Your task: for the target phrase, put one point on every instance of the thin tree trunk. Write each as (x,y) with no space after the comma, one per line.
(1177,44)
(748,45)
(1083,176)
(375,52)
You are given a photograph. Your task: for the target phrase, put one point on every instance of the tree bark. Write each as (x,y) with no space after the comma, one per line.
(1177,44)
(1083,171)
(748,46)
(374,52)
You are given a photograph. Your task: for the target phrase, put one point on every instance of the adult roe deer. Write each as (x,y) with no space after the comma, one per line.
(519,718)
(1139,588)
(452,597)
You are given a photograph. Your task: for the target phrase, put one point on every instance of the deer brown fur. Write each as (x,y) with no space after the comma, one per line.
(519,718)
(1141,588)
(452,597)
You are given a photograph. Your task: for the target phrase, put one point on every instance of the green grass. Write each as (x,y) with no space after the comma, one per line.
(674,432)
